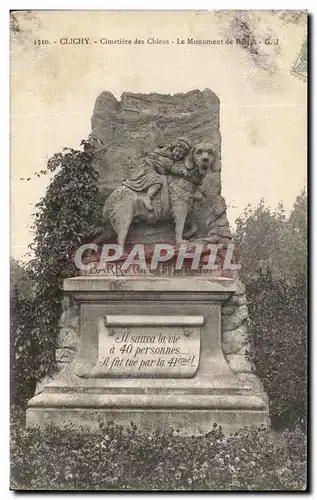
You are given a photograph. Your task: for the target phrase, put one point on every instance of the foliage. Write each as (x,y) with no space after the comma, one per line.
(19,280)
(273,255)
(117,459)
(68,213)
(23,346)
(278,337)
(63,218)
(269,240)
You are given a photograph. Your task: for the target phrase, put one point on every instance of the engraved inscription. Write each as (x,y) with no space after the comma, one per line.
(149,346)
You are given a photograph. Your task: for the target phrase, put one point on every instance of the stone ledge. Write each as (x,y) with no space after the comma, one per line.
(155,284)
(147,401)
(187,422)
(153,320)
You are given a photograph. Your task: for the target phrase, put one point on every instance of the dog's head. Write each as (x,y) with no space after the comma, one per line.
(202,156)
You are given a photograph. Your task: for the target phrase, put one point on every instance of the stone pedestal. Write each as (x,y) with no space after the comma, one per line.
(150,353)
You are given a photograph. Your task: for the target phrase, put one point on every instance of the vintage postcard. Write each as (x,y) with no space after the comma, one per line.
(159,250)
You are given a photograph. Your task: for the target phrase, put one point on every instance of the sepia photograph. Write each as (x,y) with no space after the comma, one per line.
(158,250)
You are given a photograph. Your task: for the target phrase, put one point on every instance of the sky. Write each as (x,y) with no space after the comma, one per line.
(263,111)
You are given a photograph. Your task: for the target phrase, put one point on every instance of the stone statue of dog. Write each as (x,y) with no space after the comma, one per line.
(123,205)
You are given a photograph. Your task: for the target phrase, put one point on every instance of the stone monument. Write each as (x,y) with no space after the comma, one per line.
(164,346)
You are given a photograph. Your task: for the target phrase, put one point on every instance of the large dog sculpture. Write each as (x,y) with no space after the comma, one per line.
(124,205)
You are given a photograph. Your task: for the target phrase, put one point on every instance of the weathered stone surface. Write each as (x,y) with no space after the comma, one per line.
(125,131)
(68,337)
(217,286)
(132,127)
(234,340)
(239,300)
(70,314)
(48,379)
(65,355)
(244,349)
(245,412)
(68,340)
(228,309)
(234,320)
(239,363)
(240,288)
(253,381)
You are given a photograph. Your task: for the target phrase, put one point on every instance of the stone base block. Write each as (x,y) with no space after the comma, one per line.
(150,352)
(189,415)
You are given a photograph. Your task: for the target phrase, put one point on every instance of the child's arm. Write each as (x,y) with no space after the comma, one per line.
(180,170)
(160,163)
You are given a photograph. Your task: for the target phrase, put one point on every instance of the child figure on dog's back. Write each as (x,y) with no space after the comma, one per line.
(162,161)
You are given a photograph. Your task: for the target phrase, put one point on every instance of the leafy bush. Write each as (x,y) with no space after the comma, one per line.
(23,345)
(273,255)
(65,216)
(268,239)
(278,314)
(68,213)
(117,459)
